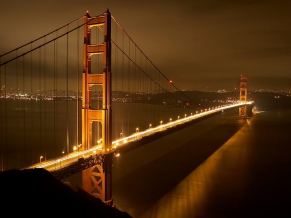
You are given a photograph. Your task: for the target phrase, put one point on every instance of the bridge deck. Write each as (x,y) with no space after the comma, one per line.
(79,160)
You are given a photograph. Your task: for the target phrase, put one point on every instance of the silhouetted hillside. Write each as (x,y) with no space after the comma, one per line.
(270,101)
(36,193)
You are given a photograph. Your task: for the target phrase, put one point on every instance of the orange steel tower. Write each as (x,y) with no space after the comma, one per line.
(97,180)
(243,95)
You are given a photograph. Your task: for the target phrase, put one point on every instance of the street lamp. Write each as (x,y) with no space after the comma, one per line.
(150,126)
(40,158)
(121,135)
(136,130)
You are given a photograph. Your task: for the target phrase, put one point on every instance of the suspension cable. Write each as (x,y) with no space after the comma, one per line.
(41,37)
(44,36)
(152,62)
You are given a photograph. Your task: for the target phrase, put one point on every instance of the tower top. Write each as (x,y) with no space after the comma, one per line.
(87,14)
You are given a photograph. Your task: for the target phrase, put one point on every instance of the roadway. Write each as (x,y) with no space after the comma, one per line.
(71,158)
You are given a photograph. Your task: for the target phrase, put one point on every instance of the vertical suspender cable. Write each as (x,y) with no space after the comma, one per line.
(23,85)
(128,90)
(17,111)
(67,91)
(54,129)
(57,115)
(32,154)
(150,91)
(145,91)
(45,91)
(1,124)
(5,115)
(134,91)
(155,96)
(161,97)
(40,100)
(122,76)
(164,98)
(114,75)
(139,89)
(77,100)
(97,124)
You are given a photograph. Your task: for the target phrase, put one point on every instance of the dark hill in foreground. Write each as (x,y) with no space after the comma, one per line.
(36,193)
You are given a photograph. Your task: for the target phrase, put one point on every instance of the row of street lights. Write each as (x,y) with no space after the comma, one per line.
(161,122)
(63,152)
(75,148)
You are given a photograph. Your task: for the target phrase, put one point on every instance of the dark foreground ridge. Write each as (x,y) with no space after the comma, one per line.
(37,193)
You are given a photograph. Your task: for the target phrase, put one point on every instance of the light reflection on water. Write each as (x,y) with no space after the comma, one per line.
(159,178)
(191,196)
(249,176)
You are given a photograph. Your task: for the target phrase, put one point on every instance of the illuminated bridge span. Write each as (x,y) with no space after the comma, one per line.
(126,143)
(77,97)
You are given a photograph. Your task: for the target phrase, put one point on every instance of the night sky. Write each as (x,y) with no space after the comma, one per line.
(195,43)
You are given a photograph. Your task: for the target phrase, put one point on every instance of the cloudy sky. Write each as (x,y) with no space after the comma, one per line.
(196,43)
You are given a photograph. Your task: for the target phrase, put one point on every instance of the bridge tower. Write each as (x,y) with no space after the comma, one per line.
(97,180)
(243,95)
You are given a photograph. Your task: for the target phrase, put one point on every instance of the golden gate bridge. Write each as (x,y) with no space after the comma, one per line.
(79,96)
